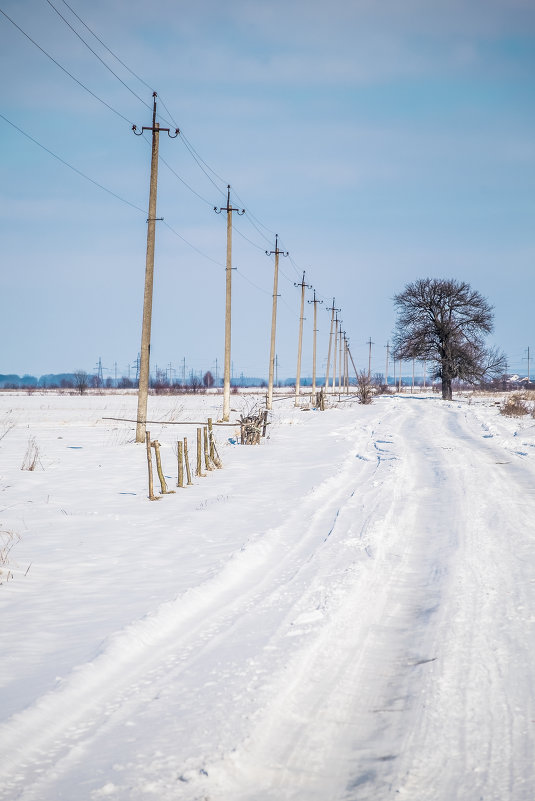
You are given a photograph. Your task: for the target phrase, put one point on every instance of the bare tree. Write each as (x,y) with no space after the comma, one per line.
(365,387)
(444,321)
(81,381)
(208,380)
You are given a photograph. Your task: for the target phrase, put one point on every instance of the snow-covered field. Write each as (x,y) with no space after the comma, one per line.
(344,612)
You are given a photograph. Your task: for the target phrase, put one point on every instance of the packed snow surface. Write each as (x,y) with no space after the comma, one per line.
(344,612)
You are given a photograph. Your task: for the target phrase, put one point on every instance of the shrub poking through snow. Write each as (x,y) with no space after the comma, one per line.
(365,389)
(514,406)
(31,457)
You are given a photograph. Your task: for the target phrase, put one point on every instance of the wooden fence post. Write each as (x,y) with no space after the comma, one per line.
(214,456)
(198,471)
(152,496)
(156,446)
(207,462)
(186,460)
(179,453)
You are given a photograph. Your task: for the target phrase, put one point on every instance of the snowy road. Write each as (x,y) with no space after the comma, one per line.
(366,632)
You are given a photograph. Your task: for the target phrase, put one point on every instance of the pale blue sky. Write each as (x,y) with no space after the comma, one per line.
(383,141)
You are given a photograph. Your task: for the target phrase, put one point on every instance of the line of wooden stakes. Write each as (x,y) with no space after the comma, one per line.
(206,452)
(252,427)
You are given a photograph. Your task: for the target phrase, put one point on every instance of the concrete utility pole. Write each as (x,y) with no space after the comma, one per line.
(300,338)
(353,363)
(335,354)
(386,367)
(315,301)
(346,358)
(228,298)
(340,370)
(277,253)
(144,366)
(332,309)
(370,343)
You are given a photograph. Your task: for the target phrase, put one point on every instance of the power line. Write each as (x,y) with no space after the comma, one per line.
(110,51)
(199,162)
(205,164)
(196,249)
(96,54)
(70,166)
(66,71)
(182,181)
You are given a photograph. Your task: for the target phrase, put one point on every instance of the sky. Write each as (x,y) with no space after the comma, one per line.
(383,142)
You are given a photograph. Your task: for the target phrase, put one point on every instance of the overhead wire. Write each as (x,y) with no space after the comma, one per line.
(107,48)
(193,247)
(71,167)
(96,54)
(201,163)
(66,71)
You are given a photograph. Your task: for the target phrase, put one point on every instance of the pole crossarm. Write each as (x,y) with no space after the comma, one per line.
(276,252)
(155,128)
(228,208)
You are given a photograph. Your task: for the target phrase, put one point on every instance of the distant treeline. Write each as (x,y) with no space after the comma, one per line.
(72,380)
(14,381)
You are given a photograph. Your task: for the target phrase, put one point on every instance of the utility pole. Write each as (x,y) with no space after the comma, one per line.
(347,366)
(332,309)
(144,368)
(345,371)
(386,366)
(300,339)
(276,253)
(529,378)
(314,333)
(100,373)
(335,353)
(353,363)
(412,385)
(340,369)
(370,343)
(228,296)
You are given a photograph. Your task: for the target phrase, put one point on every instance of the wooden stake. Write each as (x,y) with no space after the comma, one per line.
(198,471)
(156,446)
(179,453)
(207,461)
(152,496)
(186,462)
(213,453)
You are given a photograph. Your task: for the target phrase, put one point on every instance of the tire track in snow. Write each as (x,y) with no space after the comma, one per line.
(476,739)
(392,696)
(50,736)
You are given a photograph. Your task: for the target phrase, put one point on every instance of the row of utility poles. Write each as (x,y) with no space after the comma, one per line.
(340,340)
